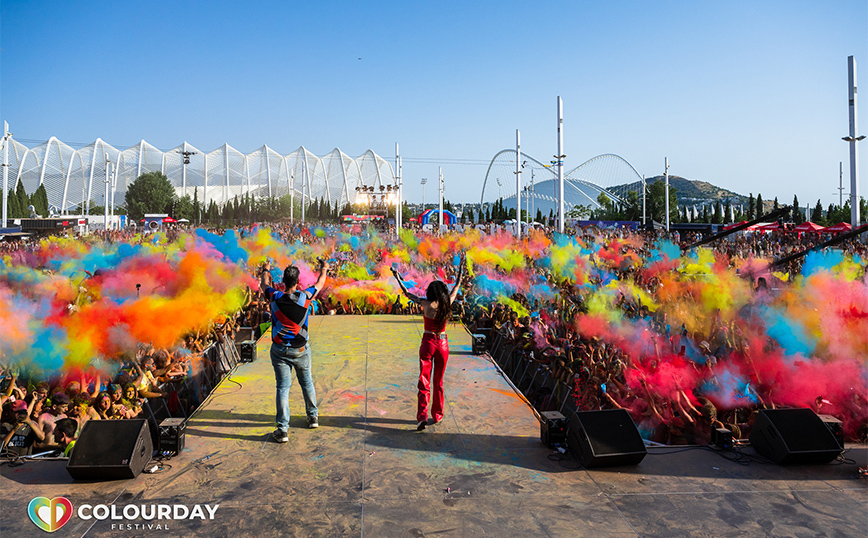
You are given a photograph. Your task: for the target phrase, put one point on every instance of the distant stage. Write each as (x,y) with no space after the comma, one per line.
(483,471)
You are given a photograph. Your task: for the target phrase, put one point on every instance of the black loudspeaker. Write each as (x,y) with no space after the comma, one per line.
(172,435)
(721,438)
(111,450)
(791,436)
(478,343)
(834,426)
(553,429)
(605,438)
(247,350)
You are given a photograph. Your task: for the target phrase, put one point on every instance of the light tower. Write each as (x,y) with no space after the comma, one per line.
(560,164)
(6,137)
(517,184)
(853,139)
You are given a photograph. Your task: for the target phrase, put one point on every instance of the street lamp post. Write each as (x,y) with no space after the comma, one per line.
(6,137)
(518,168)
(186,154)
(440,224)
(853,140)
(108,172)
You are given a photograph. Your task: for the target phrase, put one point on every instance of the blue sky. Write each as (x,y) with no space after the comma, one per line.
(750,96)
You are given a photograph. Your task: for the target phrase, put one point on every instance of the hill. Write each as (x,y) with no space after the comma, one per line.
(690,191)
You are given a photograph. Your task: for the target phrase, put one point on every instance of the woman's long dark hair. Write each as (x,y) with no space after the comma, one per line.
(437,292)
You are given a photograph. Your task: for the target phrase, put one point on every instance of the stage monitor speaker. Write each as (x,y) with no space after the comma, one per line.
(111,450)
(605,438)
(792,436)
(553,429)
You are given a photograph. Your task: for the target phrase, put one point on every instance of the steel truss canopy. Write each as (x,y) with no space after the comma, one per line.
(608,174)
(73,176)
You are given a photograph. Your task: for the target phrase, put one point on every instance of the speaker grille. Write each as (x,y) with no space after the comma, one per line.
(611,433)
(107,442)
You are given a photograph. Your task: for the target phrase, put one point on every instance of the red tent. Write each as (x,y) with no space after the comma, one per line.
(768,227)
(731,226)
(169,219)
(748,229)
(840,227)
(809,227)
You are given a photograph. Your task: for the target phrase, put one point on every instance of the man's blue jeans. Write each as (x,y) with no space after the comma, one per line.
(284,359)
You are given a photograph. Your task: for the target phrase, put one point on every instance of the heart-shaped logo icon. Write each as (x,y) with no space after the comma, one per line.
(49,514)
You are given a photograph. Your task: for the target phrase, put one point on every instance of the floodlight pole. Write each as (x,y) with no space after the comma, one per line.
(644,189)
(185,158)
(424,181)
(291,197)
(560,163)
(666,176)
(6,136)
(853,139)
(303,179)
(440,224)
(108,171)
(518,184)
(398,212)
(840,183)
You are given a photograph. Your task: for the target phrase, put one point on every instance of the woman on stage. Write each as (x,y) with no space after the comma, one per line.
(434,350)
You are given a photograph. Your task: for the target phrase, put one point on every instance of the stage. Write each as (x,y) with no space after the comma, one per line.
(367,472)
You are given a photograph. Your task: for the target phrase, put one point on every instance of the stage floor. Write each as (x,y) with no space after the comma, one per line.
(481,472)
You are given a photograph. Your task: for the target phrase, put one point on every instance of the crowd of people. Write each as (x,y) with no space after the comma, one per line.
(685,342)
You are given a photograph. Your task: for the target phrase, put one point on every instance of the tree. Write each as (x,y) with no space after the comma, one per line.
(798,218)
(39,200)
(718,214)
(750,208)
(760,208)
(656,202)
(197,209)
(184,209)
(817,213)
(539,217)
(727,212)
(12,206)
(23,200)
(580,211)
(151,192)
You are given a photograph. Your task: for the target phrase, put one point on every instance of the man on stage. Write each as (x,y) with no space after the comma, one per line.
(290,348)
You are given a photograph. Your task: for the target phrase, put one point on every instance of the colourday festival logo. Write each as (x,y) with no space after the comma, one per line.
(49,514)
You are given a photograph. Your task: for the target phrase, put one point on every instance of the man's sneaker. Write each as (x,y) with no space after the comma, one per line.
(421,425)
(280,436)
(312,422)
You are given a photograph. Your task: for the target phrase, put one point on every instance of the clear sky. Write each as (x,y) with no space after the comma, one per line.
(750,96)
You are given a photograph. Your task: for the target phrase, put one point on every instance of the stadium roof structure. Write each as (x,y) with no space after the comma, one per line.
(608,173)
(72,176)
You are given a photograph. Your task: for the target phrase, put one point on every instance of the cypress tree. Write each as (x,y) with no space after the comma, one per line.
(13,207)
(760,208)
(40,201)
(23,199)
(817,213)
(750,207)
(798,218)
(196,208)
